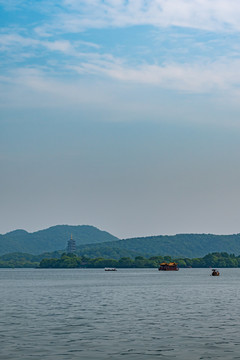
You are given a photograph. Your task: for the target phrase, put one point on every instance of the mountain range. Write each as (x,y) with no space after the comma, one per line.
(93,242)
(180,245)
(51,239)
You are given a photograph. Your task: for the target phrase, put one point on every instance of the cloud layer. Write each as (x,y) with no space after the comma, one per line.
(211,15)
(178,45)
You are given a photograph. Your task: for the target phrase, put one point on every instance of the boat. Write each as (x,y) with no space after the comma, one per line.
(110,269)
(171,266)
(215,272)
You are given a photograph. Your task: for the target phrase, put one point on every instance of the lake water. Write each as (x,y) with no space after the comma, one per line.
(129,314)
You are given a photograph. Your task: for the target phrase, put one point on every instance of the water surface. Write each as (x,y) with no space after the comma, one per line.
(130,314)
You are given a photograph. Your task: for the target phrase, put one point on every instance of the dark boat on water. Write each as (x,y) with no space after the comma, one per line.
(110,269)
(171,266)
(215,272)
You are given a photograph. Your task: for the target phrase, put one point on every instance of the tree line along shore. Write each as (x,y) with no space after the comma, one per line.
(220,260)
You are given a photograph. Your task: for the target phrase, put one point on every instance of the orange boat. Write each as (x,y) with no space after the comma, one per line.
(171,266)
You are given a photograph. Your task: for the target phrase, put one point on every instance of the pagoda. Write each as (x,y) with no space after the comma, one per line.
(71,246)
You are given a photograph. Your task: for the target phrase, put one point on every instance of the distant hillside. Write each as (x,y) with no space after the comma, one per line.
(92,242)
(181,245)
(178,246)
(51,239)
(107,252)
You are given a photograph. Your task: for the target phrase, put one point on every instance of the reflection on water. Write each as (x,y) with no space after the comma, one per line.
(132,314)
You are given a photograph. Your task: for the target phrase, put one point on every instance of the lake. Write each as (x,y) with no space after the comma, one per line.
(141,314)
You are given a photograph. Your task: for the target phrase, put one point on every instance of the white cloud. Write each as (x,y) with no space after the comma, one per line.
(31,87)
(217,79)
(129,97)
(62,46)
(195,78)
(13,41)
(201,14)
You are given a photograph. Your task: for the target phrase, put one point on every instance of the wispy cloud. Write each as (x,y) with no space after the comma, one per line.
(201,76)
(216,78)
(185,61)
(79,15)
(198,78)
(13,41)
(211,15)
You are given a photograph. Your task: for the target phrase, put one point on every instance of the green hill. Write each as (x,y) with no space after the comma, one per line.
(181,245)
(51,239)
(92,242)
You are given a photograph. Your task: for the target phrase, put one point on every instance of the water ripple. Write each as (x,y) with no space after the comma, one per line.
(135,314)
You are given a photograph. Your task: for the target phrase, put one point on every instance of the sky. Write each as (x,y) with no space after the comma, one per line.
(121,114)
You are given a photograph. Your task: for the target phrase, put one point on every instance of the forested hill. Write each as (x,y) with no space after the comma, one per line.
(93,242)
(51,239)
(181,245)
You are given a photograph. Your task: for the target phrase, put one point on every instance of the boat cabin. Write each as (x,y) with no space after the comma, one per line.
(171,266)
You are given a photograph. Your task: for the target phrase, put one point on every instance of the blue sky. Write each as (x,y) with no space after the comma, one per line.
(120,114)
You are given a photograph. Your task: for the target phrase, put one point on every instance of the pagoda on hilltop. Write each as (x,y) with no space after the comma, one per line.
(71,246)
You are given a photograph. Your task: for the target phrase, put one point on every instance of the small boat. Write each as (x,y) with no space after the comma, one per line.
(215,272)
(171,266)
(110,269)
